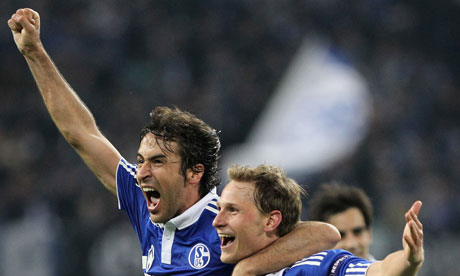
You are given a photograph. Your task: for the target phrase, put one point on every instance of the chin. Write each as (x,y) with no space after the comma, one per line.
(228,259)
(156,219)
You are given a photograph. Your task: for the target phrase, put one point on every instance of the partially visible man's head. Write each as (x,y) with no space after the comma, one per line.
(256,207)
(350,210)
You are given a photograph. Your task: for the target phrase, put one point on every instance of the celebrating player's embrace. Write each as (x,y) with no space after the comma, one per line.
(169,194)
(261,204)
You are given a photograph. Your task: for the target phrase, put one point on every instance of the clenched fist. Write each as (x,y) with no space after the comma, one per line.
(25,26)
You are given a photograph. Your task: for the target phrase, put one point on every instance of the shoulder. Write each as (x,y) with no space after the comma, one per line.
(126,167)
(126,174)
(313,262)
(212,205)
(205,216)
(330,262)
(199,215)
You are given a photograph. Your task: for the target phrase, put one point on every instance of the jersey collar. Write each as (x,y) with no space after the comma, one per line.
(192,214)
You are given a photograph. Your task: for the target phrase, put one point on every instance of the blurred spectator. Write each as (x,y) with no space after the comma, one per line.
(350,210)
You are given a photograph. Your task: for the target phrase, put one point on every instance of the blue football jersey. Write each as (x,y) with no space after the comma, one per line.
(185,245)
(335,262)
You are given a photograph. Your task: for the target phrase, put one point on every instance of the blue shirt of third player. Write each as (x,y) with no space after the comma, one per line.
(185,245)
(335,262)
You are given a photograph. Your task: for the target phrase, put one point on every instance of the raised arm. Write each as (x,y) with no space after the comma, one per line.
(408,261)
(69,113)
(305,240)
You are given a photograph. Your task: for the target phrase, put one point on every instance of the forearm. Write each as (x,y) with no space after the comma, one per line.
(306,239)
(395,264)
(69,113)
(73,119)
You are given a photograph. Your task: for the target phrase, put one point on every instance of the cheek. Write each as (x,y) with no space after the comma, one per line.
(240,225)
(366,238)
(167,177)
(252,226)
(173,175)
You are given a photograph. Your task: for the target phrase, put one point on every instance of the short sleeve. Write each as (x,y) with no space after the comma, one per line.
(130,196)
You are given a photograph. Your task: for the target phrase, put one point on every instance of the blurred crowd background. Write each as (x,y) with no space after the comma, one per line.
(222,60)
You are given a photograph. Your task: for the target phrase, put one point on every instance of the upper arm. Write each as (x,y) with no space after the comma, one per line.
(374,269)
(306,239)
(99,155)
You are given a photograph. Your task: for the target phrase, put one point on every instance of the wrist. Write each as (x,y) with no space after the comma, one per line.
(33,53)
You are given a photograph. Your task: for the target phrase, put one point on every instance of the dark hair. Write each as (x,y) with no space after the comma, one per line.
(332,198)
(197,142)
(273,190)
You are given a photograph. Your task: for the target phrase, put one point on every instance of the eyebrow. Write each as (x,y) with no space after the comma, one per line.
(359,228)
(153,157)
(227,204)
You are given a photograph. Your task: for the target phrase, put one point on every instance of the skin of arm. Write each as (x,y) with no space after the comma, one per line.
(408,261)
(306,239)
(69,113)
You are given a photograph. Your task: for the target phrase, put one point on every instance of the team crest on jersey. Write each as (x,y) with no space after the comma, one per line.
(199,256)
(150,257)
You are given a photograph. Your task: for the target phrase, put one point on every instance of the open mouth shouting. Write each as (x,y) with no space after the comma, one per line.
(152,197)
(226,240)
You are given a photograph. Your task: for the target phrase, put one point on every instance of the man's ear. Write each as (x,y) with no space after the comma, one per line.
(194,175)
(273,221)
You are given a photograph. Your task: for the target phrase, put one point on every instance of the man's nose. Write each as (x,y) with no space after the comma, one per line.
(143,173)
(349,242)
(218,221)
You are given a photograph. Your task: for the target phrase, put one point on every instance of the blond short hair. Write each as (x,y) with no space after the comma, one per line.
(273,190)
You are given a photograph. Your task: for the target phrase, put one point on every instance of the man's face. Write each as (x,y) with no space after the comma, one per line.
(356,238)
(239,223)
(159,175)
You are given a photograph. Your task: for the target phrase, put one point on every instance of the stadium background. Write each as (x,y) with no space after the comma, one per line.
(222,60)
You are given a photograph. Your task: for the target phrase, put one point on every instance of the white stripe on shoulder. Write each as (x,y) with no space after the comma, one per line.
(355,269)
(314,260)
(314,263)
(212,204)
(317,256)
(360,264)
(324,253)
(214,210)
(351,270)
(130,168)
